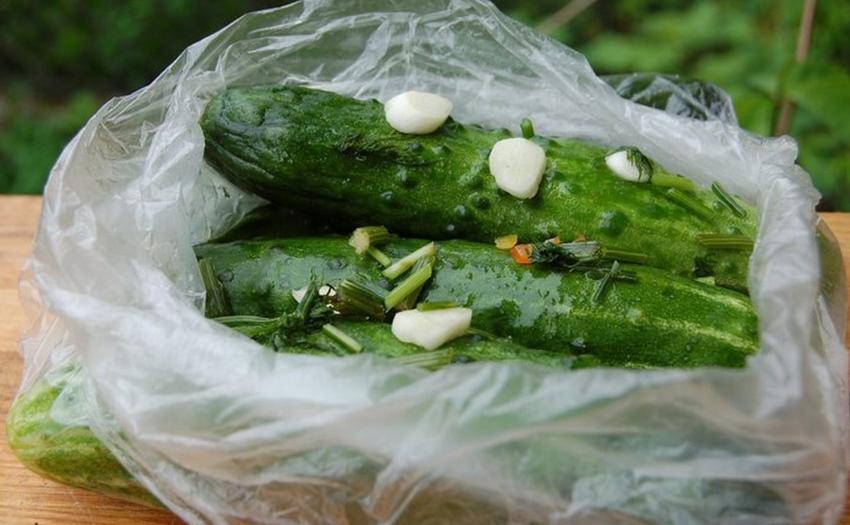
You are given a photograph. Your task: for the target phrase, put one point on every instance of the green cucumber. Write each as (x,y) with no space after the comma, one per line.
(70,453)
(67,452)
(377,339)
(659,320)
(336,157)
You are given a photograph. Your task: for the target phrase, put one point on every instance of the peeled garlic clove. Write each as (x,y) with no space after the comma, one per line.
(432,328)
(416,112)
(625,165)
(518,164)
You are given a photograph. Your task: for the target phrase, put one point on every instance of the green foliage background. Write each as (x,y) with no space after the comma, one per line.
(60,60)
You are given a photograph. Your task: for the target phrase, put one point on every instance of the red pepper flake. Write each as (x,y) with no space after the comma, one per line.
(521,253)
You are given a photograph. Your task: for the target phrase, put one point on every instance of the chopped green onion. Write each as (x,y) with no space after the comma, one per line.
(367,236)
(706,280)
(358,297)
(407,287)
(728,200)
(379,256)
(720,241)
(343,339)
(527,128)
(217,304)
(668,180)
(305,306)
(410,301)
(407,262)
(626,256)
(691,203)
(436,305)
(428,360)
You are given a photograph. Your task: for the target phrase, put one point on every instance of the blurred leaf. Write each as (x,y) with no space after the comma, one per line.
(824,91)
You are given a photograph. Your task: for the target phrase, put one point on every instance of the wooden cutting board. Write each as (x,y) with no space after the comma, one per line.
(26,498)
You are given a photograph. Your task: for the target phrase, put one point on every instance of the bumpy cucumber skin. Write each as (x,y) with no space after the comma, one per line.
(377,338)
(68,454)
(336,157)
(659,321)
(71,454)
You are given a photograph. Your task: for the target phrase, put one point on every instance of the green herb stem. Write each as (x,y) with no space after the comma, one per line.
(668,180)
(236,320)
(405,263)
(350,344)
(217,304)
(527,128)
(691,203)
(252,326)
(305,306)
(625,256)
(379,256)
(410,301)
(604,283)
(436,305)
(407,287)
(429,360)
(728,200)
(356,297)
(366,236)
(720,241)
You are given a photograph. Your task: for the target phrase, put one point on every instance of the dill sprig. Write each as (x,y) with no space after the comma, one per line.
(581,255)
(614,272)
(567,254)
(641,162)
(728,200)
(277,332)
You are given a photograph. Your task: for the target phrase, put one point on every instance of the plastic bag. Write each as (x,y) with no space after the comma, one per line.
(224,431)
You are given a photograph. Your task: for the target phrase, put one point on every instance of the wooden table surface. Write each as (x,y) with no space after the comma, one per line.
(26,498)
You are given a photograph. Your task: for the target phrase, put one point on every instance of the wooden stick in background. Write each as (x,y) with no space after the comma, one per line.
(804,43)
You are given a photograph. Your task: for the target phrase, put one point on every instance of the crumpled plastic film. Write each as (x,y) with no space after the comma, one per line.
(223,431)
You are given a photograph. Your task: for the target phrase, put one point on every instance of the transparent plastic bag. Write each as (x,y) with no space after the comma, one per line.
(223,431)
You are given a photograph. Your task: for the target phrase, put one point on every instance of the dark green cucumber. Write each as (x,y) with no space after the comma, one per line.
(660,320)
(337,158)
(377,339)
